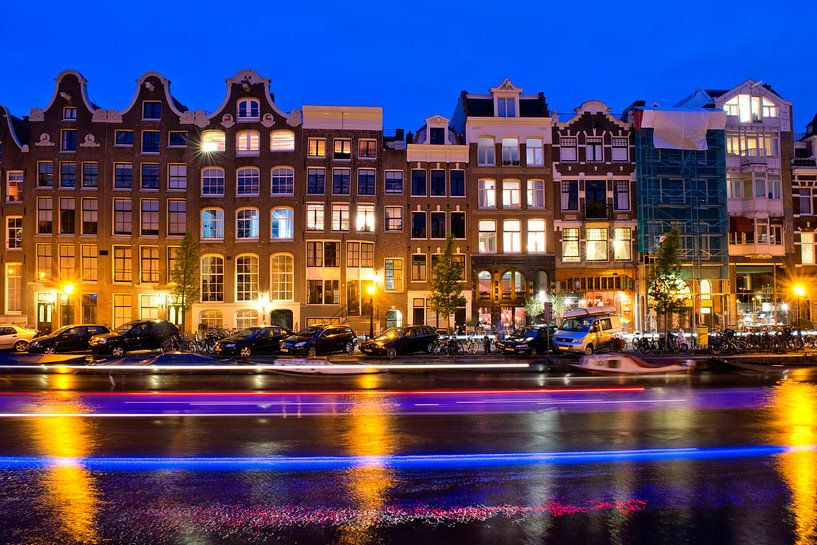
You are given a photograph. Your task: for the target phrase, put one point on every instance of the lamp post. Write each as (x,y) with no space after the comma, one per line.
(799,291)
(371,289)
(264,306)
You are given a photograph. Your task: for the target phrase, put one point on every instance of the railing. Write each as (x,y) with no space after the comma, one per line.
(811,162)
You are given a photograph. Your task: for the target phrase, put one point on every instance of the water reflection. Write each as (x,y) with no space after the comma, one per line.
(795,413)
(69,489)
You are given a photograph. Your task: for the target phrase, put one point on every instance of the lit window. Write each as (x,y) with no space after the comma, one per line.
(212,182)
(343,148)
(484,284)
(246,318)
(89,263)
(122,216)
(511,194)
(365,218)
(45,261)
(536,194)
(536,236)
(317,147)
(149,217)
(393,277)
(340,216)
(314,216)
(487,194)
(212,279)
(570,245)
(282,141)
(14,233)
(534,153)
(247,142)
(248,181)
(769,108)
(149,264)
(212,141)
(122,309)
(283,181)
(807,248)
(212,224)
(511,236)
(122,264)
(14,186)
(621,243)
(597,244)
(394,181)
(510,151)
(211,319)
(485,152)
(176,217)
(248,109)
(282,277)
(282,224)
(246,278)
(246,224)
(394,218)
(367,148)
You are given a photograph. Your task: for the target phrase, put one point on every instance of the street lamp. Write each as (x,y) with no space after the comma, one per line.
(371,288)
(800,292)
(264,306)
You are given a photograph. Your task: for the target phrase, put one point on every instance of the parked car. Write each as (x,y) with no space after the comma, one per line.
(397,341)
(139,335)
(588,330)
(533,340)
(320,340)
(253,340)
(15,337)
(71,338)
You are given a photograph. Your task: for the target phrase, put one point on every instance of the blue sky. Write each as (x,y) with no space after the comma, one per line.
(412,58)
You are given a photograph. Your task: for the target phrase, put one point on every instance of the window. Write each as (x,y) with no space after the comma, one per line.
(68,142)
(776,234)
(212,224)
(487,236)
(353,254)
(394,181)
(511,236)
(282,277)
(45,174)
(176,177)
(151,141)
(343,148)
(282,141)
(570,195)
(14,186)
(419,267)
(151,110)
(149,306)
(14,233)
(597,245)
(246,278)
(394,218)
(485,152)
(570,245)
(536,236)
(246,318)
(172,258)
(365,218)
(438,183)
(621,243)
(69,113)
(68,215)
(316,147)
(487,193)
(246,224)
(212,141)
(123,176)
(510,151)
(323,292)
(315,181)
(90,265)
(621,194)
(366,181)
(249,109)
(511,194)
(68,174)
(247,143)
(437,136)
(807,248)
(314,253)
(90,216)
(150,176)
(67,262)
(212,279)
(367,148)
(212,182)
(341,181)
(122,216)
(621,146)
(506,107)
(762,231)
(536,194)
(418,225)
(769,108)
(593,149)
(122,312)
(568,146)
(314,216)
(534,152)
(149,264)
(418,183)
(90,174)
(248,181)
(282,222)
(122,264)
(438,225)
(123,138)
(367,254)
(458,224)
(176,217)
(45,264)
(177,139)
(211,319)
(340,216)
(45,215)
(393,277)
(456,180)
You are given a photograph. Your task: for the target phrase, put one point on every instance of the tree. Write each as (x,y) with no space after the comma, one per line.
(446,288)
(185,275)
(558,305)
(535,306)
(667,288)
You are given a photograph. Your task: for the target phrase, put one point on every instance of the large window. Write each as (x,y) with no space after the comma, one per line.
(484,284)
(342,149)
(394,218)
(486,152)
(176,177)
(456,182)
(14,233)
(282,141)
(45,173)
(150,176)
(365,218)
(90,263)
(212,182)
(487,236)
(366,181)
(570,195)
(323,292)
(122,264)
(151,141)
(536,236)
(68,142)
(570,245)
(246,318)
(506,107)
(246,278)
(394,181)
(283,181)
(68,175)
(247,181)
(418,183)
(367,148)
(282,277)
(246,224)
(45,263)
(176,217)
(393,277)
(621,194)
(534,153)
(418,225)
(45,215)
(340,216)
(341,181)
(249,109)
(438,183)
(487,193)
(621,243)
(315,181)
(621,147)
(122,309)
(123,176)
(90,216)
(511,237)
(510,151)
(212,224)
(536,194)
(807,248)
(122,216)
(314,216)
(212,279)
(67,263)
(597,245)
(211,319)
(316,147)
(68,215)
(419,267)
(282,222)
(212,141)
(90,174)
(438,225)
(568,146)
(594,149)
(149,306)
(511,194)
(149,217)
(149,264)
(457,224)
(14,186)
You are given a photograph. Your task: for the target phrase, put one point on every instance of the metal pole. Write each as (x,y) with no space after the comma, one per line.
(799,328)
(371,316)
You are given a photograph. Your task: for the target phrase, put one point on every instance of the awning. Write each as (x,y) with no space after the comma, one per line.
(741,224)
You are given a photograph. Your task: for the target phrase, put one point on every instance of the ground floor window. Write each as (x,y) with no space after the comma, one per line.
(418,311)
(246,318)
(211,319)
(122,309)
(149,306)
(323,292)
(89,308)
(394,318)
(14,288)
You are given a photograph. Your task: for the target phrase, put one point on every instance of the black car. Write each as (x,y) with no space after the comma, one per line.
(253,340)
(396,341)
(139,335)
(320,340)
(71,338)
(533,340)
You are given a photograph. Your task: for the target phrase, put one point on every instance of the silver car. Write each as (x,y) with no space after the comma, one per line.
(15,337)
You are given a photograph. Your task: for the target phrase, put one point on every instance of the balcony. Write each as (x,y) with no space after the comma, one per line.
(800,162)
(755,206)
(597,211)
(757,250)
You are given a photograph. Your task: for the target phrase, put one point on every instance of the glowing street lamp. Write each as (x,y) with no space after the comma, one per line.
(68,289)
(264,306)
(371,289)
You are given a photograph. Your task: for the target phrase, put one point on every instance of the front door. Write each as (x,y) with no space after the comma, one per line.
(44,311)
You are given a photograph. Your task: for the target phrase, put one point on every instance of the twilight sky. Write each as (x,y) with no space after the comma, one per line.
(411,57)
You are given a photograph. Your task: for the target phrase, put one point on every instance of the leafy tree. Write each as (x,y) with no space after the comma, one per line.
(445,284)
(558,305)
(535,306)
(185,275)
(666,288)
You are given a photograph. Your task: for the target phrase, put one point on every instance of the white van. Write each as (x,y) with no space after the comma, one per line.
(588,330)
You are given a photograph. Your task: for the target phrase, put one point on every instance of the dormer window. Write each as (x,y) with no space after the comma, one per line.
(249,109)
(69,113)
(750,109)
(212,141)
(437,135)
(506,107)
(152,110)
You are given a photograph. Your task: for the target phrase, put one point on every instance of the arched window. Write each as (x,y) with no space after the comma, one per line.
(706,289)
(212,182)
(212,279)
(247,181)
(211,319)
(512,284)
(212,141)
(282,223)
(282,276)
(246,278)
(246,318)
(484,283)
(212,224)
(246,224)
(283,181)
(247,142)
(282,141)
(249,109)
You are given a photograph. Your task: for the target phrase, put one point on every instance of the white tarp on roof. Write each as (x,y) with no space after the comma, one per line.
(682,129)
